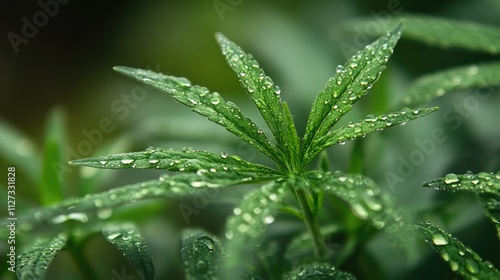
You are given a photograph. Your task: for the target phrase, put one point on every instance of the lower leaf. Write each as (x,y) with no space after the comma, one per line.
(33,262)
(461,259)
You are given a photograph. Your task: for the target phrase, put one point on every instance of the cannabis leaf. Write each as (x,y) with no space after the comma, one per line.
(432,86)
(34,261)
(286,189)
(350,83)
(127,239)
(485,185)
(461,259)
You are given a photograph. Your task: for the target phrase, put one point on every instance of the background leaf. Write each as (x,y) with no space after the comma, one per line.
(444,32)
(431,86)
(318,271)
(127,239)
(19,151)
(485,185)
(167,186)
(368,202)
(53,166)
(480,183)
(202,255)
(245,229)
(461,259)
(33,262)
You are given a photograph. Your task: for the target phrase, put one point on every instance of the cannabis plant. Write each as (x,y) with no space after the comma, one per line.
(290,187)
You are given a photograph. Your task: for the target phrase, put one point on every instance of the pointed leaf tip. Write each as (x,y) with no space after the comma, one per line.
(125,70)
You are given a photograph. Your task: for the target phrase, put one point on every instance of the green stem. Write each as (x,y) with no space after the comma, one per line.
(75,249)
(312,223)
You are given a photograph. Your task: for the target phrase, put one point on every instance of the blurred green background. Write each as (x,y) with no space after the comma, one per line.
(68,63)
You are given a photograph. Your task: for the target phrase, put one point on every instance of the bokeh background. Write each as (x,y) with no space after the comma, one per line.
(68,64)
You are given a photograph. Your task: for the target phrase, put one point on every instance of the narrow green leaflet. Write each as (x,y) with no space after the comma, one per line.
(127,239)
(94,181)
(368,202)
(491,205)
(448,33)
(208,104)
(351,82)
(479,183)
(19,151)
(202,255)
(167,186)
(50,185)
(262,90)
(485,185)
(251,218)
(443,32)
(461,259)
(187,160)
(33,262)
(431,86)
(368,125)
(292,142)
(318,271)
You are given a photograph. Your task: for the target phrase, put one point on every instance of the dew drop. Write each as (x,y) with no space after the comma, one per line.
(197,184)
(114,236)
(104,213)
(223,155)
(268,220)
(183,82)
(360,211)
(454,266)
(451,178)
(192,98)
(103,162)
(375,206)
(371,118)
(242,228)
(126,237)
(153,161)
(439,240)
(59,219)
(81,217)
(445,256)
(126,161)
(471,266)
(207,241)
(247,217)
